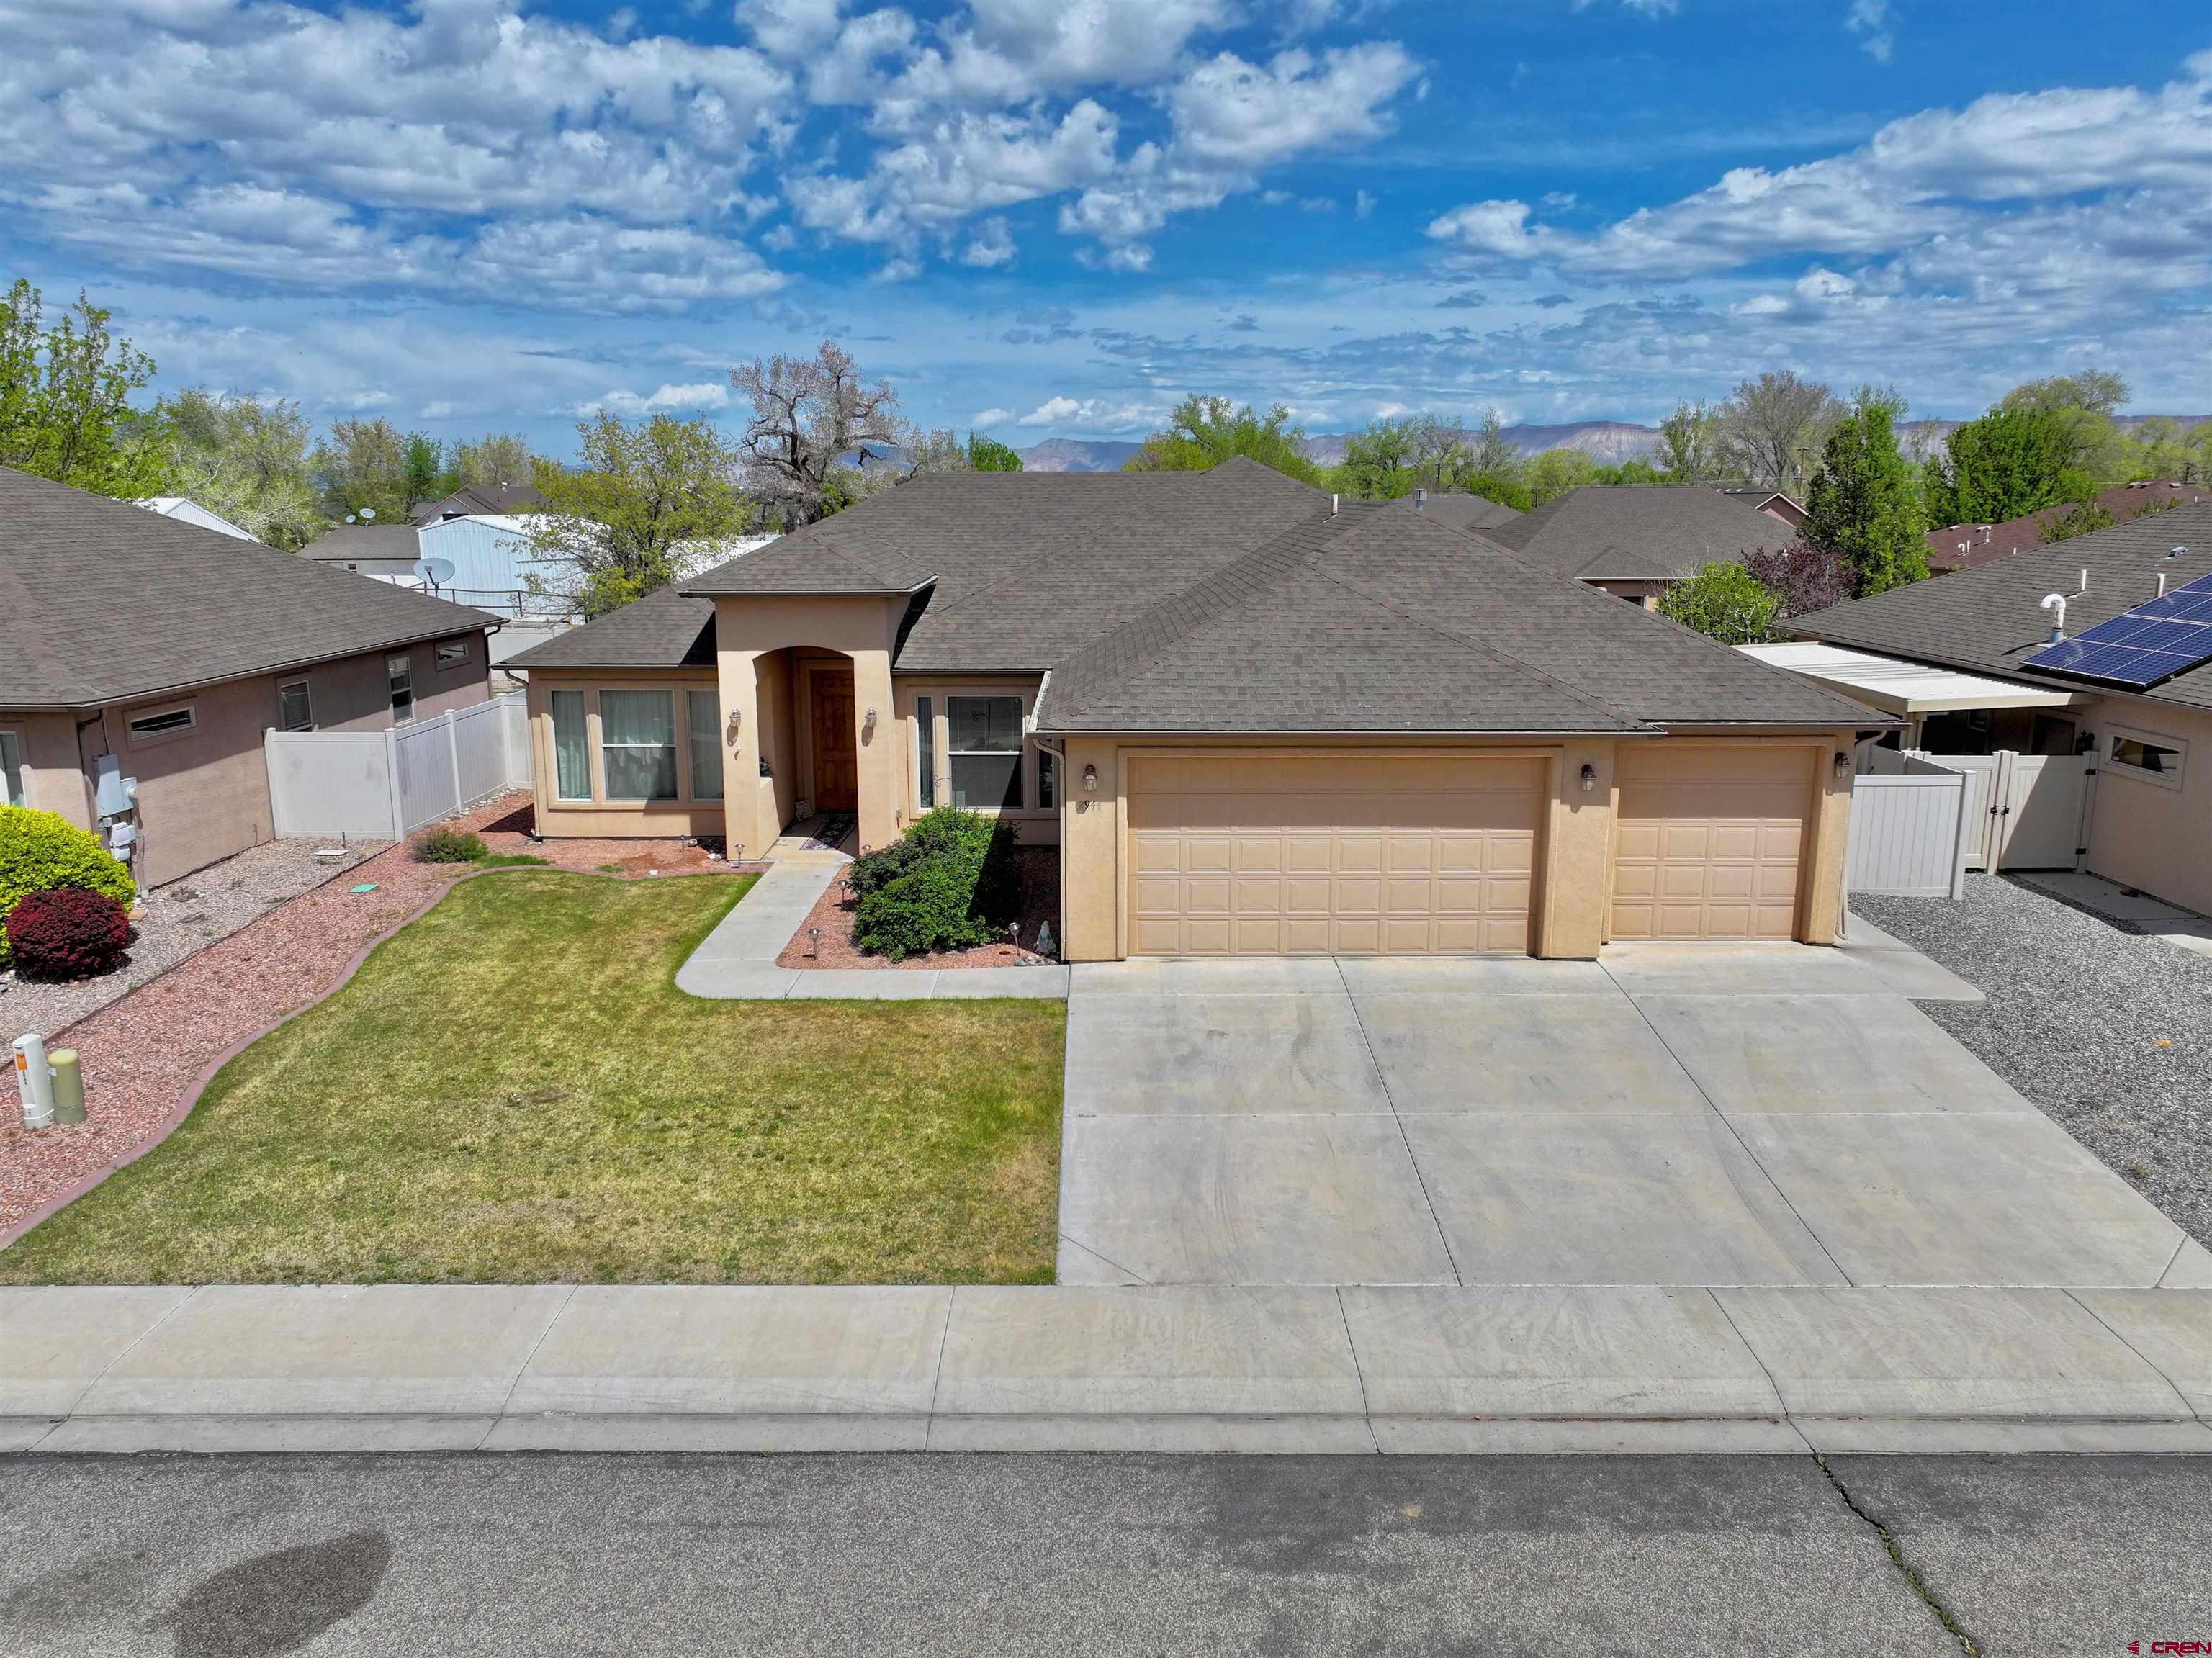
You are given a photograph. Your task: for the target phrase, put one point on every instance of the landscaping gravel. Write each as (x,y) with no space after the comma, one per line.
(177,921)
(2109,1032)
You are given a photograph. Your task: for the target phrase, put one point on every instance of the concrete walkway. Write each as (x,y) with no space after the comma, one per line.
(1501,1368)
(737,961)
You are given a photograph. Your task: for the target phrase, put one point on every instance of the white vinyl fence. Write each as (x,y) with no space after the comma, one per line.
(1910,819)
(386,785)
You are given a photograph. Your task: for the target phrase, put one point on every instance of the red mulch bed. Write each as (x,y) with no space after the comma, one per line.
(139,1053)
(1039,868)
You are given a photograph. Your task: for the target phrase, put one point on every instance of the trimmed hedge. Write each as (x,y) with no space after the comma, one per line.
(66,933)
(948,884)
(39,851)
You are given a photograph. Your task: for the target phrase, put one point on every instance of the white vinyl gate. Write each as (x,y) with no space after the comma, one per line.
(2029,810)
(386,785)
(1911,821)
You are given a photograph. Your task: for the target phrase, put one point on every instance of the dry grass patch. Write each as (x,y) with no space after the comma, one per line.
(513,1090)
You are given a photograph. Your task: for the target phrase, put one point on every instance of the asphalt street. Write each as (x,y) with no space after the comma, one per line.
(208,1558)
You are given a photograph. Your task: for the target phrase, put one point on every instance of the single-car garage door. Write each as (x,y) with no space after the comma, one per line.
(1707,841)
(1413,856)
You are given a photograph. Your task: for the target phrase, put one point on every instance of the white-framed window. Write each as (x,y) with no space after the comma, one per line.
(399,674)
(637,744)
(12,769)
(706,733)
(156,724)
(295,706)
(984,744)
(1047,781)
(571,747)
(452,654)
(925,724)
(2154,759)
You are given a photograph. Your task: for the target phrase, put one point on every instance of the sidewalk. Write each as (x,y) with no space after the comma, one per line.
(1414,1370)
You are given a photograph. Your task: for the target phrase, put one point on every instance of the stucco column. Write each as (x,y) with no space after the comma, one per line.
(877,747)
(1823,906)
(1090,853)
(1576,861)
(739,674)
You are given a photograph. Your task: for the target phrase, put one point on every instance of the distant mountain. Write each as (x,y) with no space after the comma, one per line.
(1610,442)
(1076,455)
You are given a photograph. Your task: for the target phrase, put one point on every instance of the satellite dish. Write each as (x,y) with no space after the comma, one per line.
(437,572)
(368,512)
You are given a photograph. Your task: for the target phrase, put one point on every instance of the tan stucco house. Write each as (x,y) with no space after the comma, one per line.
(1254,720)
(164,651)
(2148,819)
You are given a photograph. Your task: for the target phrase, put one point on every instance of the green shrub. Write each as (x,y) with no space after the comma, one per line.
(39,852)
(949,884)
(446,845)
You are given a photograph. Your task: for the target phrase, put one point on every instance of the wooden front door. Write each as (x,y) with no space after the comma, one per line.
(837,770)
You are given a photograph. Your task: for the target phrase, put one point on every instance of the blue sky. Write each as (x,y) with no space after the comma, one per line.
(1056,218)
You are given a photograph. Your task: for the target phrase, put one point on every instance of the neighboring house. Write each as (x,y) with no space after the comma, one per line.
(162,651)
(1964,546)
(1785,509)
(1255,724)
(1637,543)
(384,550)
(1460,509)
(2149,821)
(492,563)
(480,501)
(185,511)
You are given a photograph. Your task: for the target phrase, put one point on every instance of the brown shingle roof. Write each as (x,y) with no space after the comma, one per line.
(1620,533)
(1963,546)
(1990,617)
(102,602)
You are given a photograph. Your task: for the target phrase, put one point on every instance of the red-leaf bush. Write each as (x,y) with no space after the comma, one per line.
(67,932)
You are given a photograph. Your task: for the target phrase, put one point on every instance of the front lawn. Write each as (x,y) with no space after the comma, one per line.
(512,1091)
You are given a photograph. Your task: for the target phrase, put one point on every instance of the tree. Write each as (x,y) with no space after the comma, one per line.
(640,501)
(2083,404)
(2009,464)
(1690,444)
(808,414)
(1726,602)
(360,471)
(2083,518)
(1862,506)
(1770,427)
(1802,577)
(247,460)
(65,391)
(1435,448)
(495,459)
(1378,461)
(989,455)
(1492,454)
(1555,471)
(1203,432)
(422,474)
(932,452)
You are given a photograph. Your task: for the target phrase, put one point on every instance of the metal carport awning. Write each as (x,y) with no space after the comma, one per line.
(1896,686)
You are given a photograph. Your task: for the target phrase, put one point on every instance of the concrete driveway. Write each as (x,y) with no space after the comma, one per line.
(1669,1115)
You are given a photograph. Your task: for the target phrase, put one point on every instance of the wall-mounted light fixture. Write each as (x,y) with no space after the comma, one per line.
(868,726)
(1091,780)
(1842,763)
(1589,777)
(736,720)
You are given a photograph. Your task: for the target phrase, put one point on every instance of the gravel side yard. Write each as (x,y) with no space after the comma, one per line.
(141,1051)
(2108,1031)
(178,920)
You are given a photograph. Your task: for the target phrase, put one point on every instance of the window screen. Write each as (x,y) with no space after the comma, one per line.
(984,744)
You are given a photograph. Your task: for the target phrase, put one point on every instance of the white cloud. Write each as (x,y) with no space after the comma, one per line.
(1050,411)
(991,247)
(668,400)
(1870,19)
(991,416)
(898,270)
(1363,205)
(1926,180)
(1233,113)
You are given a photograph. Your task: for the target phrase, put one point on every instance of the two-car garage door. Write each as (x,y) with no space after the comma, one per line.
(1434,855)
(1304,856)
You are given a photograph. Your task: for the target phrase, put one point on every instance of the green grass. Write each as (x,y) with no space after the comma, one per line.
(510,860)
(512,1089)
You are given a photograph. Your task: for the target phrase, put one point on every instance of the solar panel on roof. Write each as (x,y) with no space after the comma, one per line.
(2153,642)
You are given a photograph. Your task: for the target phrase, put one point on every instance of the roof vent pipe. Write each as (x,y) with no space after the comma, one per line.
(2161,584)
(2056,602)
(1985,535)
(1332,506)
(1420,500)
